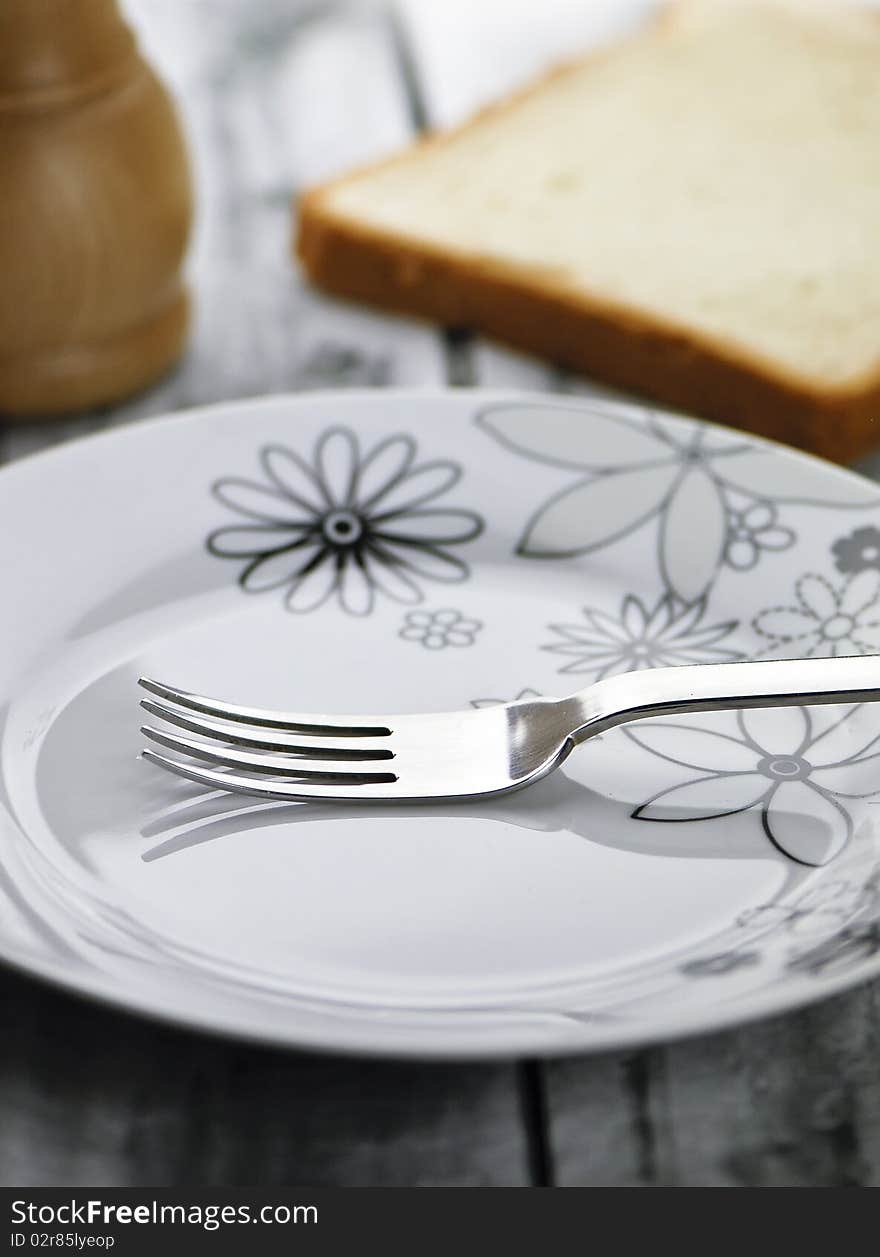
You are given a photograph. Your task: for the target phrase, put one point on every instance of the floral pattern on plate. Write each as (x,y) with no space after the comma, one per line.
(751,530)
(858,551)
(552,949)
(839,919)
(799,773)
(825,619)
(822,910)
(436,630)
(851,946)
(647,470)
(642,636)
(347,526)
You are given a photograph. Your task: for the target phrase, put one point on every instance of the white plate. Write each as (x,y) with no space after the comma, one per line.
(650,888)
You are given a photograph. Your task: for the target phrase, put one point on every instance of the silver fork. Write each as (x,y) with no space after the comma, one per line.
(467,754)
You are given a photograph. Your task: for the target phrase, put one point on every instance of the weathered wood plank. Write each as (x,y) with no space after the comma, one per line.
(94,1098)
(790,1102)
(274,96)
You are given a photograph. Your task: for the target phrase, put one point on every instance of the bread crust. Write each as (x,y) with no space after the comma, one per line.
(528,310)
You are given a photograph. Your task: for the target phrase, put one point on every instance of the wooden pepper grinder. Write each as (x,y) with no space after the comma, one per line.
(95,210)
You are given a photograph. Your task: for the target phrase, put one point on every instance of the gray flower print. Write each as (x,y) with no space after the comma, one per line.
(798,772)
(823,909)
(825,619)
(850,947)
(348,526)
(438,629)
(857,551)
(642,636)
(752,530)
(634,467)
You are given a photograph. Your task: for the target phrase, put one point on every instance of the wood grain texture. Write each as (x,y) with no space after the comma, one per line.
(95,209)
(790,1102)
(95,1098)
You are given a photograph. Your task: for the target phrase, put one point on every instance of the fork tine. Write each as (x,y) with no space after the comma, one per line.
(295,793)
(317,770)
(317,747)
(319,725)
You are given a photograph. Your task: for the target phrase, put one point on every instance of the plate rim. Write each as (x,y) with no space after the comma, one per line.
(590,1042)
(570,401)
(362,1039)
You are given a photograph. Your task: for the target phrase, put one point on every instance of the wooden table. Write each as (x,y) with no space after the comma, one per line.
(276,94)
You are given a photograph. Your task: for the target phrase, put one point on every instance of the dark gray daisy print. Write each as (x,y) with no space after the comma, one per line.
(348,526)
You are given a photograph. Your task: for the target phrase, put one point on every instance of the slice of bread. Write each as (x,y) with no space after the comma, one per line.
(693,215)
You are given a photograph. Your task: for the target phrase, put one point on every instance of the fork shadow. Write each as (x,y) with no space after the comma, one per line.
(558,805)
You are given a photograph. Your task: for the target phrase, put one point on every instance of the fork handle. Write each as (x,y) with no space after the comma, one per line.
(699,687)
